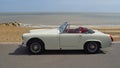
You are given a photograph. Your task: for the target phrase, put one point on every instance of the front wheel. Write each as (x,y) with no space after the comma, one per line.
(92,47)
(35,47)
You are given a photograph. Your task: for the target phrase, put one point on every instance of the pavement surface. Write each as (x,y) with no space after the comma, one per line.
(15,56)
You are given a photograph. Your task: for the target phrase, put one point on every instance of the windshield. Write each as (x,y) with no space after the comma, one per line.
(63,27)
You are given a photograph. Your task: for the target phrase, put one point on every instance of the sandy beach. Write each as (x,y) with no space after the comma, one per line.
(112,30)
(14,34)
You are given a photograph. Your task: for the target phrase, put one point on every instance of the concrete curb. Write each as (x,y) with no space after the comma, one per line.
(10,42)
(116,42)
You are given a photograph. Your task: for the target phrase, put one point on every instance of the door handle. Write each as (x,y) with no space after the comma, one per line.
(80,36)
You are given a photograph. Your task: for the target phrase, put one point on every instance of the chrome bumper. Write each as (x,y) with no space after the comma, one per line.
(23,44)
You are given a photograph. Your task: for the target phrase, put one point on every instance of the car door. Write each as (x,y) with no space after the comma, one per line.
(69,40)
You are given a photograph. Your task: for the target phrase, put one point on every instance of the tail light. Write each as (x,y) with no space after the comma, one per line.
(111,38)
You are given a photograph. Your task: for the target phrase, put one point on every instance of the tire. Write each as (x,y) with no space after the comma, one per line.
(91,47)
(35,47)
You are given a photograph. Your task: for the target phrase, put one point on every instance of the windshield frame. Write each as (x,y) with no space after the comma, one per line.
(63,27)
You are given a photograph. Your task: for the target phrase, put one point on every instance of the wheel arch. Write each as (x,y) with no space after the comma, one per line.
(35,39)
(97,41)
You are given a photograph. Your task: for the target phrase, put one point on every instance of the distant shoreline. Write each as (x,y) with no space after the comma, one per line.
(39,25)
(47,13)
(80,18)
(30,25)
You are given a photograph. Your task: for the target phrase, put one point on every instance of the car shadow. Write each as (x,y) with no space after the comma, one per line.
(24,51)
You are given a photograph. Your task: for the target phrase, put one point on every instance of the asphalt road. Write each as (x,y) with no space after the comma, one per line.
(15,56)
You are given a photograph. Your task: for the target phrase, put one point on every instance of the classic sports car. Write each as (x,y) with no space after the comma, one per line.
(66,37)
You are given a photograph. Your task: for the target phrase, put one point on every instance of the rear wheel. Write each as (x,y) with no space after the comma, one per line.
(35,47)
(92,47)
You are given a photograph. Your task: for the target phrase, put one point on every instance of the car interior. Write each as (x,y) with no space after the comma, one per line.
(78,30)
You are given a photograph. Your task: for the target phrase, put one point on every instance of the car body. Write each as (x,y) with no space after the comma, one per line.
(66,37)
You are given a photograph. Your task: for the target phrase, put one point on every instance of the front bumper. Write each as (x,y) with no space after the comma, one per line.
(23,44)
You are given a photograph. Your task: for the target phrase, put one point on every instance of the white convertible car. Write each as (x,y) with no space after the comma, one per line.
(66,38)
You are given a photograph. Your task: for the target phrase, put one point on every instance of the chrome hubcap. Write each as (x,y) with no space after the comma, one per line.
(92,47)
(35,47)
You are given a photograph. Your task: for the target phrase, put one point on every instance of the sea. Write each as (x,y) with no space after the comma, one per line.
(77,18)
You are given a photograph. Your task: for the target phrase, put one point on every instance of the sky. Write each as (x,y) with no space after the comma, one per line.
(59,5)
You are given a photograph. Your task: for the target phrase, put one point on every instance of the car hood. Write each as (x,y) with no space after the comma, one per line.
(44,31)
